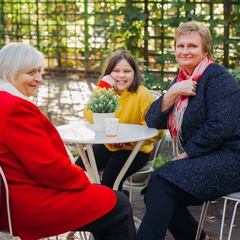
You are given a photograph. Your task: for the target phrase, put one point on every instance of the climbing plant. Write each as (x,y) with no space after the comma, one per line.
(76,36)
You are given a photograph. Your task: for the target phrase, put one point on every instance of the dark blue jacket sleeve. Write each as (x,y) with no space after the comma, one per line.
(155,118)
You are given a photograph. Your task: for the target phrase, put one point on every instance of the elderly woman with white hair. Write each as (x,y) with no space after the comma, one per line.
(49,194)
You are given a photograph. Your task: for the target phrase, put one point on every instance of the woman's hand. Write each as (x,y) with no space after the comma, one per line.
(180,156)
(183,88)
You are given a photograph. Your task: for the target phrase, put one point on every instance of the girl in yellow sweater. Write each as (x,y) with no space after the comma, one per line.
(122,73)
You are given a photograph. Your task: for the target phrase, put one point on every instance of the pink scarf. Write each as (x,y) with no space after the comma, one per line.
(176,116)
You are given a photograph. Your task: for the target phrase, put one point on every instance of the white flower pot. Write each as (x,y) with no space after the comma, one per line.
(98,120)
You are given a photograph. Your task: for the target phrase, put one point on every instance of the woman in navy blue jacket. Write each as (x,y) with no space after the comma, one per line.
(201,109)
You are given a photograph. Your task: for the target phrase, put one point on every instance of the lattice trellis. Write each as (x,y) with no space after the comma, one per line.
(76,35)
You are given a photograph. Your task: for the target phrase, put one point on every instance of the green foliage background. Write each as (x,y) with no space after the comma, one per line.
(77,35)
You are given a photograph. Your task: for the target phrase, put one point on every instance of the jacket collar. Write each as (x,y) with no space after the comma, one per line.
(8,87)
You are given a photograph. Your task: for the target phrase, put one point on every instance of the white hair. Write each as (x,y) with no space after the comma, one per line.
(16,58)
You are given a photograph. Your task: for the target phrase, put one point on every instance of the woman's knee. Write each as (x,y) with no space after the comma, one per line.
(154,181)
(123,205)
(157,188)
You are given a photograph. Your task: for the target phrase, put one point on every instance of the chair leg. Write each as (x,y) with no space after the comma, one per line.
(70,235)
(202,219)
(83,236)
(232,221)
(7,200)
(130,189)
(223,218)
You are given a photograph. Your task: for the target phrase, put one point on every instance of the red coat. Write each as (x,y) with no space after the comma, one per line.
(48,194)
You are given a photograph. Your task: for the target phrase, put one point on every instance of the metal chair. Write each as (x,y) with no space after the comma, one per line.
(82,235)
(146,170)
(7,199)
(233,197)
(202,219)
(3,178)
(71,234)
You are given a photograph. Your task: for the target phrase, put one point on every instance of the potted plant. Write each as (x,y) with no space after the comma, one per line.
(103,103)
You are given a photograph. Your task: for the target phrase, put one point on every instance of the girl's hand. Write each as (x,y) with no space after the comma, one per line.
(108,79)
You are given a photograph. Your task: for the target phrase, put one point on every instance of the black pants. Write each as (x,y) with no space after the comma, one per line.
(166,208)
(112,163)
(118,224)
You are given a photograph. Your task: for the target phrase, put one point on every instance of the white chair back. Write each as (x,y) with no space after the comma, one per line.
(70,154)
(7,199)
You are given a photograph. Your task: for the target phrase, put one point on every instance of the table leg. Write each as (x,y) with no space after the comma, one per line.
(127,164)
(93,163)
(86,163)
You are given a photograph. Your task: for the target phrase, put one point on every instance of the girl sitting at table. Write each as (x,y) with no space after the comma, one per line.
(122,73)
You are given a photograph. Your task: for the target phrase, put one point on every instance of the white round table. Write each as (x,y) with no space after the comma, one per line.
(83,134)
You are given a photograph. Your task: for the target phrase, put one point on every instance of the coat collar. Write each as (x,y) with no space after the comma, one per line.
(8,87)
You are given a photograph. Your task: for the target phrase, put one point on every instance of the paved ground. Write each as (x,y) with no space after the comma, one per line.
(63,102)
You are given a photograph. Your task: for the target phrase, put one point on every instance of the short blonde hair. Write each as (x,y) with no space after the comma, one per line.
(19,57)
(192,27)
